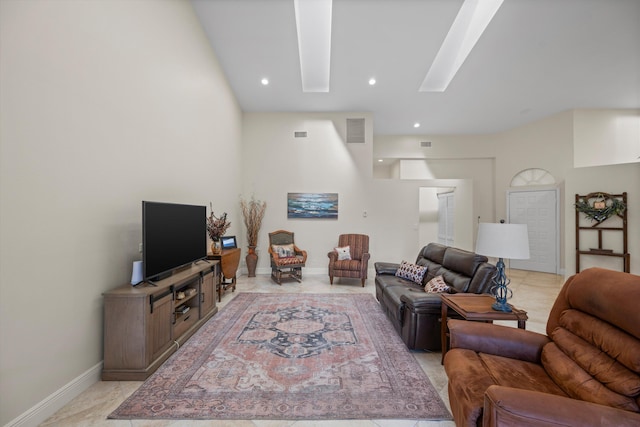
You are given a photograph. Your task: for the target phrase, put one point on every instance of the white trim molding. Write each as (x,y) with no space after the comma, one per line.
(56,400)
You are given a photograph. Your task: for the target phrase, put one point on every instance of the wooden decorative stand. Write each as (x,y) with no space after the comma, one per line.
(599,228)
(145,324)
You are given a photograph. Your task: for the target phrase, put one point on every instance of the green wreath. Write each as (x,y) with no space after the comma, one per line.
(613,206)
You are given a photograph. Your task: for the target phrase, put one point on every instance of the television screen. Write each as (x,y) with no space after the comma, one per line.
(173,235)
(229,242)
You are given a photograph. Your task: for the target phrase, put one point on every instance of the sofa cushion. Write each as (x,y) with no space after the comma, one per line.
(597,363)
(614,342)
(516,373)
(433,270)
(482,282)
(433,252)
(294,260)
(412,272)
(457,281)
(578,384)
(347,265)
(622,294)
(461,261)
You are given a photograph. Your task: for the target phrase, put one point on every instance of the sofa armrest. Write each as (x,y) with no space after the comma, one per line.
(506,406)
(386,268)
(417,299)
(497,339)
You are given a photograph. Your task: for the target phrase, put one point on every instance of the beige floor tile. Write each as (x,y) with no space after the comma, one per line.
(533,292)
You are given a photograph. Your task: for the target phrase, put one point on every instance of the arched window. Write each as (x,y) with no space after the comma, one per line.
(533,176)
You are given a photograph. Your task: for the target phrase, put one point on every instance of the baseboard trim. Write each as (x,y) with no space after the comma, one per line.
(56,400)
(311,271)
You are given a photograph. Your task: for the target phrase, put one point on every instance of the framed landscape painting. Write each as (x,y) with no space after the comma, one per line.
(312,205)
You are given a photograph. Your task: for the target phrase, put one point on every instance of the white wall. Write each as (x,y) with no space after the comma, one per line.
(548,144)
(606,137)
(103,104)
(276,163)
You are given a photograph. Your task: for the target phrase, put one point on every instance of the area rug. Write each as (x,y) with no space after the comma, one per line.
(290,357)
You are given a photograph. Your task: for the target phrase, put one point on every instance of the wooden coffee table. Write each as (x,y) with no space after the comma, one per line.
(478,308)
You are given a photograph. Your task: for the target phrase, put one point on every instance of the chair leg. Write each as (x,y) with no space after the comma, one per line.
(331,279)
(363,280)
(275,275)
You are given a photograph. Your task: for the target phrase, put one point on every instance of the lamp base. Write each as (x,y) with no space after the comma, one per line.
(502,306)
(500,290)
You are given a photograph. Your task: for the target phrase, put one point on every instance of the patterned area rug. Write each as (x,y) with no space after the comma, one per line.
(290,357)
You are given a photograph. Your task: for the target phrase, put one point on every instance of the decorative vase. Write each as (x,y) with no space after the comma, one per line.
(216,247)
(252,261)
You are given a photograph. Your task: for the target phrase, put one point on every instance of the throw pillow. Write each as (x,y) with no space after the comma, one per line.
(284,251)
(436,285)
(412,272)
(343,252)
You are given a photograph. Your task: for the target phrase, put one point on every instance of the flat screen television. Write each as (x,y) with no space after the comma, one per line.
(173,235)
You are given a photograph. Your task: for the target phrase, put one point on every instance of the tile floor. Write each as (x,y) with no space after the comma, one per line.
(533,292)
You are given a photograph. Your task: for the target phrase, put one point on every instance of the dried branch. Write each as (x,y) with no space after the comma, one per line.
(253,212)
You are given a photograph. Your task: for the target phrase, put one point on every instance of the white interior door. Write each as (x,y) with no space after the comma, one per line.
(540,211)
(446,218)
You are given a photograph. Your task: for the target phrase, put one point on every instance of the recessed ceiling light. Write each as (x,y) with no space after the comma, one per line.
(416,125)
(372,81)
(380,160)
(264,81)
(472,19)
(313,24)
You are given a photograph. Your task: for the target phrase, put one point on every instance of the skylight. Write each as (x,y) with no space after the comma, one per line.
(470,23)
(313,23)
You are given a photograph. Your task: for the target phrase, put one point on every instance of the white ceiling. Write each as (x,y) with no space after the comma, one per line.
(536,58)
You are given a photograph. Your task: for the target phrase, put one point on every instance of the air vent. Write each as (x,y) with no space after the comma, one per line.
(425,144)
(355,130)
(300,134)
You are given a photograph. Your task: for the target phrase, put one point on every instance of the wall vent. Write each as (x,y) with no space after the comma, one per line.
(355,130)
(300,134)
(425,144)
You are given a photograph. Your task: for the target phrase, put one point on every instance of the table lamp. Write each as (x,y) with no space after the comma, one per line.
(502,241)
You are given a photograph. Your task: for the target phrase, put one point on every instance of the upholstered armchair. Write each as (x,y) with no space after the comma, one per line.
(584,372)
(350,258)
(286,257)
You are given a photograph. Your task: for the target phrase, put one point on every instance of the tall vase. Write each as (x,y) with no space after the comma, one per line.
(252,261)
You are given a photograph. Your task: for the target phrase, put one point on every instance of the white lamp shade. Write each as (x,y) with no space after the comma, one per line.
(503,240)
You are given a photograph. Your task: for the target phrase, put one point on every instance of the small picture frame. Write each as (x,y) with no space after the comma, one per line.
(228,242)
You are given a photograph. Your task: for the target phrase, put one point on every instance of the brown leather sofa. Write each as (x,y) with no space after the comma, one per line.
(415,314)
(584,372)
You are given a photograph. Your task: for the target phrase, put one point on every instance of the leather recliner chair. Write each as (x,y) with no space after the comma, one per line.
(584,372)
